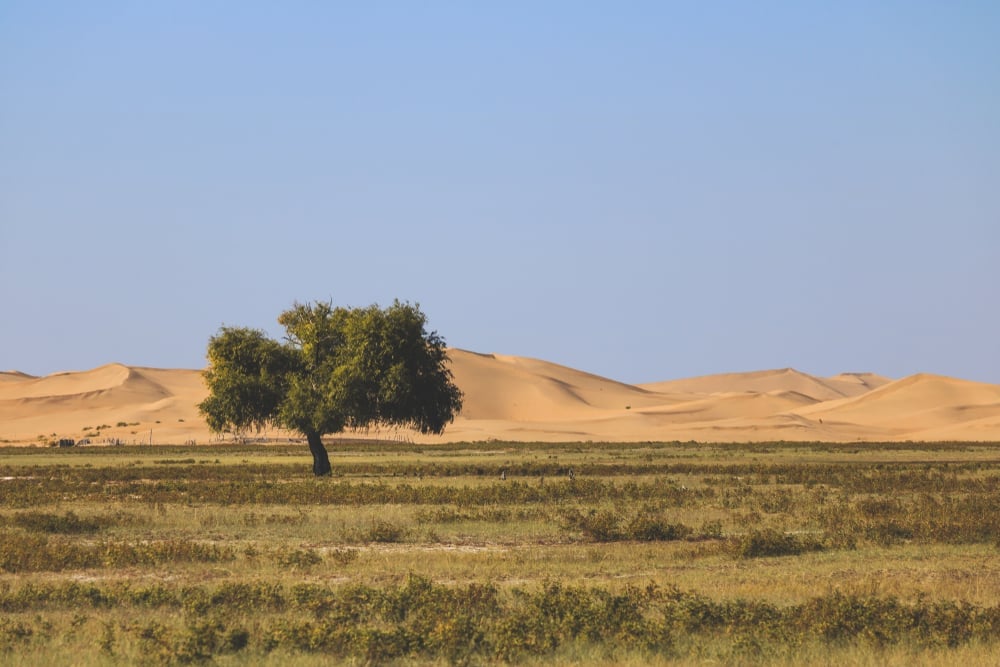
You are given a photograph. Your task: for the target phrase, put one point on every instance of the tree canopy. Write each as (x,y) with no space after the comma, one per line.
(337,368)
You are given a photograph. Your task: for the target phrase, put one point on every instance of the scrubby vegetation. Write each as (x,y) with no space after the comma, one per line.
(657,552)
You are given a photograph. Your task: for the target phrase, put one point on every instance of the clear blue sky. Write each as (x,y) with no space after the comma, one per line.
(644,190)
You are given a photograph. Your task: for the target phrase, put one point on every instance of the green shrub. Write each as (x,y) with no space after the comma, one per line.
(646,525)
(14,634)
(382,531)
(68,523)
(647,528)
(421,621)
(771,542)
(596,525)
(299,558)
(29,552)
(343,556)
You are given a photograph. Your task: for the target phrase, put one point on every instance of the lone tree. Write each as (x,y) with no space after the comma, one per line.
(338,368)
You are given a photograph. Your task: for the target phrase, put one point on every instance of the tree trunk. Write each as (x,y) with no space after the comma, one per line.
(321,461)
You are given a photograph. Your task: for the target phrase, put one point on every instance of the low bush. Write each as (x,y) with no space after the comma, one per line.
(606,525)
(380,531)
(419,620)
(771,542)
(29,552)
(927,518)
(68,523)
(298,558)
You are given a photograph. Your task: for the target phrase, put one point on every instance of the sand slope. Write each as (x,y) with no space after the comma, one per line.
(522,389)
(914,404)
(785,379)
(855,384)
(73,404)
(516,398)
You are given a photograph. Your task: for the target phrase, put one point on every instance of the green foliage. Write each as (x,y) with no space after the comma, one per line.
(339,368)
(247,378)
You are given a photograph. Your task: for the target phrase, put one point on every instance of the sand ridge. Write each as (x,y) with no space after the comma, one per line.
(523,399)
(913,404)
(783,379)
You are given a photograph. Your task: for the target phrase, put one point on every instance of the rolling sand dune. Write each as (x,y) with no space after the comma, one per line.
(516,398)
(98,383)
(855,384)
(913,404)
(785,379)
(72,404)
(14,376)
(521,389)
(724,406)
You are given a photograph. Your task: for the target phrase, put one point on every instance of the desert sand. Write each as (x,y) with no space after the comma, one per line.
(522,399)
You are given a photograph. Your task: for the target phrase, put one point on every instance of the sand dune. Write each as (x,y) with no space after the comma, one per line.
(517,398)
(784,379)
(914,404)
(855,384)
(95,383)
(725,406)
(14,376)
(74,404)
(522,389)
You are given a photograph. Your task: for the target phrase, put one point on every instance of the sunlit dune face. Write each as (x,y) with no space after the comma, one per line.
(521,399)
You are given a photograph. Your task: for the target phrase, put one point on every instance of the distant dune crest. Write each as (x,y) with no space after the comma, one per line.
(784,379)
(518,398)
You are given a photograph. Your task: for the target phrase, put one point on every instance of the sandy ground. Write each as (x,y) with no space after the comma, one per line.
(516,398)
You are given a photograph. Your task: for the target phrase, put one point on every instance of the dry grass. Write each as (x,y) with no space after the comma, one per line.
(773,526)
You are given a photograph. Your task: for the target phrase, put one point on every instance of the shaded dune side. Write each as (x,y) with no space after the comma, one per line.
(14,376)
(855,384)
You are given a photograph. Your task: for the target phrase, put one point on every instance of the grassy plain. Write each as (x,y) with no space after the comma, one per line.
(585,553)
